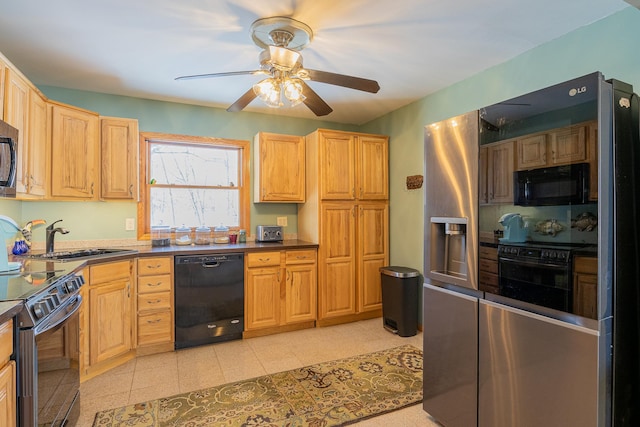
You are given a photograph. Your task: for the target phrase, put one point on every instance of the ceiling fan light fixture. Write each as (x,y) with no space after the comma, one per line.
(268,90)
(293,91)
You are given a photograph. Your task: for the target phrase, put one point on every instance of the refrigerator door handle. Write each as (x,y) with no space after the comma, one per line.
(542,318)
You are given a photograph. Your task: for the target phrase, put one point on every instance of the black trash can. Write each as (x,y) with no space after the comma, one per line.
(400,299)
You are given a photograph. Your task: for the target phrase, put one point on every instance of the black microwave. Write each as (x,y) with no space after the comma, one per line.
(8,159)
(557,185)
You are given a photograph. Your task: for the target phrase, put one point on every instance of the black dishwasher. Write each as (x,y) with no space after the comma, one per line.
(209,294)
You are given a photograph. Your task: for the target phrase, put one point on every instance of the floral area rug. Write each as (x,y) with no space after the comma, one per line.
(327,394)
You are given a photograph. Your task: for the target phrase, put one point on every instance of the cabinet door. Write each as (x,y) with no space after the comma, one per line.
(279,166)
(3,73)
(337,166)
(17,115)
(37,150)
(110,320)
(532,152)
(337,258)
(483,166)
(500,173)
(373,253)
(74,153)
(569,145)
(119,149)
(8,395)
(373,167)
(300,293)
(262,297)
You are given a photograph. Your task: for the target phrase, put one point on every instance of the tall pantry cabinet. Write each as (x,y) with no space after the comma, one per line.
(347,214)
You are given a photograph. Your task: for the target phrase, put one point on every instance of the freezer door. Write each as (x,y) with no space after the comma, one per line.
(535,371)
(450,356)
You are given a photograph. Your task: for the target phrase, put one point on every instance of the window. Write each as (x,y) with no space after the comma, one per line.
(193,181)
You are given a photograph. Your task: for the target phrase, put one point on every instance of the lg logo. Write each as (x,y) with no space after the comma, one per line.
(574,92)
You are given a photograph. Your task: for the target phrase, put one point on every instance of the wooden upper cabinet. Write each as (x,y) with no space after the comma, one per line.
(569,145)
(279,168)
(373,167)
(500,172)
(37,145)
(16,113)
(338,166)
(532,152)
(353,166)
(74,152)
(119,158)
(3,72)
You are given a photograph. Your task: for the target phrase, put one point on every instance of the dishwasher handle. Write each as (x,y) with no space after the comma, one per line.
(210,264)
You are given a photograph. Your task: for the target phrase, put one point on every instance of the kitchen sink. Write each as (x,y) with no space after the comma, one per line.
(81,254)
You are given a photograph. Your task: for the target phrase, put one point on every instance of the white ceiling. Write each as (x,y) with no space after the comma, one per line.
(411,47)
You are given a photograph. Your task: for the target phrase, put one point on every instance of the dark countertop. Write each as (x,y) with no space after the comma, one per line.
(9,309)
(224,248)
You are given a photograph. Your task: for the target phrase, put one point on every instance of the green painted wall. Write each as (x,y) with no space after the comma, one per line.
(609,46)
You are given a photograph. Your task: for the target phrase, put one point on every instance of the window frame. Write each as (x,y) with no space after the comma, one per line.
(146,138)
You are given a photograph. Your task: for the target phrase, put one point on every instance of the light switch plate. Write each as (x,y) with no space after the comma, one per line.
(129,224)
(282,221)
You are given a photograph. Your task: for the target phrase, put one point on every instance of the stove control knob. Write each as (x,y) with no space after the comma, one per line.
(40,309)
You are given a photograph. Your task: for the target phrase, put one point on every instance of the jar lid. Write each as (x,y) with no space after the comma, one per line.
(182,229)
(203,229)
(221,228)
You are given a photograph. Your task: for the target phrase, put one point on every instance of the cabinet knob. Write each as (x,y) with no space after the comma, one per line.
(131,190)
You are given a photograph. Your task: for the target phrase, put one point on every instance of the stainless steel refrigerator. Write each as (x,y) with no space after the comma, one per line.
(515,332)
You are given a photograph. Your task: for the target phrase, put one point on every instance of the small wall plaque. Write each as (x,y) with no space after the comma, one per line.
(414,182)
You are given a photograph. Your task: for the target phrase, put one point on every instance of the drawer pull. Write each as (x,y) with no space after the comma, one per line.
(154,302)
(154,284)
(154,266)
(301,257)
(264,260)
(154,321)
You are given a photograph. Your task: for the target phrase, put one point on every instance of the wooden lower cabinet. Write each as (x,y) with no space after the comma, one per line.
(109,299)
(488,269)
(155,314)
(7,377)
(585,286)
(280,291)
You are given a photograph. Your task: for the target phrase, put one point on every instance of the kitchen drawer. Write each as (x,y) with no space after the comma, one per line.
(154,265)
(263,259)
(6,341)
(154,301)
(109,272)
(158,283)
(489,266)
(489,279)
(300,257)
(155,328)
(587,265)
(489,252)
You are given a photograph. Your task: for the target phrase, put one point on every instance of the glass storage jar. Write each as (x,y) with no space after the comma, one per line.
(203,235)
(242,236)
(221,234)
(160,235)
(183,235)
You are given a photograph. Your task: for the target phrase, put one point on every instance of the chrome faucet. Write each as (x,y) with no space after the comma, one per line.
(50,234)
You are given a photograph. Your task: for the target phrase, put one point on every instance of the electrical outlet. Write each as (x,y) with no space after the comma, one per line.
(282,221)
(129,224)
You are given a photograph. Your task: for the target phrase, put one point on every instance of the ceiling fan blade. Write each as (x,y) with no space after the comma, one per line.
(242,102)
(230,73)
(357,83)
(314,102)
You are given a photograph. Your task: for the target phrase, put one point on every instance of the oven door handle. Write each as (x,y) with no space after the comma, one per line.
(60,316)
(533,264)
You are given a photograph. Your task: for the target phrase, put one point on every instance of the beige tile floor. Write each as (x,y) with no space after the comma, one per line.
(166,374)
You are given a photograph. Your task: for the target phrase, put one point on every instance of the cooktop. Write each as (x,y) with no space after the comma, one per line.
(32,277)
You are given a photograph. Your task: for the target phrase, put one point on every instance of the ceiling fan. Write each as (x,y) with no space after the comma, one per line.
(282,38)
